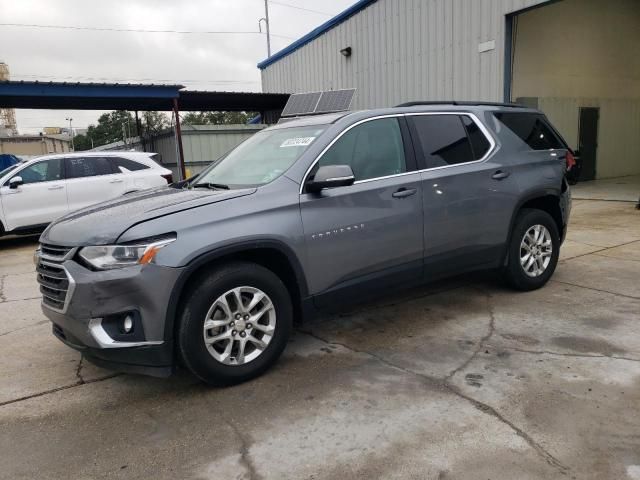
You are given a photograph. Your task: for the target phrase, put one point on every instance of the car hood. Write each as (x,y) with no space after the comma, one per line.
(104,222)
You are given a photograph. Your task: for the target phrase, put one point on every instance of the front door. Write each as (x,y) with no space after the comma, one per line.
(588,142)
(39,200)
(367,235)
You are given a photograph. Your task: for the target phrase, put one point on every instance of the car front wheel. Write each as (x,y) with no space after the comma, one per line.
(235,323)
(533,251)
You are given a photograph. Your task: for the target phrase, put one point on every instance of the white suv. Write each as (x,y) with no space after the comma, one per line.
(36,192)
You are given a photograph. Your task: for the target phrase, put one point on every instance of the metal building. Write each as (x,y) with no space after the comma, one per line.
(574,59)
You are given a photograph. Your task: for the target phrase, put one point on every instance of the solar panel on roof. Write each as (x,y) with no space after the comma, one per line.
(318,102)
(301,104)
(335,101)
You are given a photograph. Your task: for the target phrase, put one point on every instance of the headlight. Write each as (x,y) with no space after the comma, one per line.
(105,257)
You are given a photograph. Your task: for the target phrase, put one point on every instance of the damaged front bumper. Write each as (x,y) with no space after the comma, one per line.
(116,318)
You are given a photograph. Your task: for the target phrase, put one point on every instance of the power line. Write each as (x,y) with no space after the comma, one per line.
(300,8)
(138,30)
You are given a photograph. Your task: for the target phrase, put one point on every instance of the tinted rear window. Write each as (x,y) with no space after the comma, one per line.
(532,128)
(443,139)
(479,142)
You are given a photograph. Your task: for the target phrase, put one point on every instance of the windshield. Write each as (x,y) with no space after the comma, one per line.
(260,159)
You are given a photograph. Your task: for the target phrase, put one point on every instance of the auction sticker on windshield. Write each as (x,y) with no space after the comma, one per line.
(297,142)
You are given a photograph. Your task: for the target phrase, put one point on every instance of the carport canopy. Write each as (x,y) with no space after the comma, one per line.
(140,97)
(134,97)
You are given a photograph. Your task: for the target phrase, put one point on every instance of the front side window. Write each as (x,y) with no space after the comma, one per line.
(78,167)
(372,149)
(45,171)
(262,158)
(532,129)
(443,140)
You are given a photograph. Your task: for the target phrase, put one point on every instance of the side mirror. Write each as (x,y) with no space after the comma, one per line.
(15,182)
(331,176)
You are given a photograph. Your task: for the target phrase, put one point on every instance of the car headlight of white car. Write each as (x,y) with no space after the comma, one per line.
(141,252)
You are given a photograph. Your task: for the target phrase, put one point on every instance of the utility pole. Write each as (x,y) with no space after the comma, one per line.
(73,148)
(266,22)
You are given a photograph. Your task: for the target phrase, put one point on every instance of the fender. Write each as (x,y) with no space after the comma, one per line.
(220,252)
(529,195)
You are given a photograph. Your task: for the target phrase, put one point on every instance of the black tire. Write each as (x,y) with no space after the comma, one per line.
(207,288)
(514,272)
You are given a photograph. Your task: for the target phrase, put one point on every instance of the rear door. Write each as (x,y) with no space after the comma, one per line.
(369,234)
(136,175)
(41,199)
(468,199)
(91,180)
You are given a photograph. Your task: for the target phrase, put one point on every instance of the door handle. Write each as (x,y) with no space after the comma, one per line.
(500,175)
(56,187)
(116,181)
(403,192)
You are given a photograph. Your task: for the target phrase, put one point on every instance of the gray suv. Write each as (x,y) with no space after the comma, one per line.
(211,273)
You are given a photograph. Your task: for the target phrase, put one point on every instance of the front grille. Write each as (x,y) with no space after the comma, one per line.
(53,278)
(54,252)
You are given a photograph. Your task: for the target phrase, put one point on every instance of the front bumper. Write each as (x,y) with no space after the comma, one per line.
(97,300)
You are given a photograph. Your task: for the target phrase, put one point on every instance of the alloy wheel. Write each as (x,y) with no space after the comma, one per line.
(239,325)
(536,249)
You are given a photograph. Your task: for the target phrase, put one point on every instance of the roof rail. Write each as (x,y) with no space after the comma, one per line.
(467,103)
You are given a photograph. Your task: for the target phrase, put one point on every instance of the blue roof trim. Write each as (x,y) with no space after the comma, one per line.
(315,33)
(58,89)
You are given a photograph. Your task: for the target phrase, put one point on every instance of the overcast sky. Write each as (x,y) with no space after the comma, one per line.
(198,61)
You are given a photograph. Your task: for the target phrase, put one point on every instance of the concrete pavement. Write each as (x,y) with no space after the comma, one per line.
(464,379)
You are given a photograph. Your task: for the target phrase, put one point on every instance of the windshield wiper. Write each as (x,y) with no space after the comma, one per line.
(211,186)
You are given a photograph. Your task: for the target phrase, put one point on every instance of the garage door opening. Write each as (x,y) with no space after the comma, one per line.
(577,61)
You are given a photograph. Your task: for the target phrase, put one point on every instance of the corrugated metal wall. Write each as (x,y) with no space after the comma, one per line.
(405,50)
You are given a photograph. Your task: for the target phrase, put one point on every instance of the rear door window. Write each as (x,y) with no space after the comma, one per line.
(532,128)
(479,143)
(442,139)
(78,167)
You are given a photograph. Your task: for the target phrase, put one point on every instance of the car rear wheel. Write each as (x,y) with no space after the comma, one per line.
(533,251)
(234,324)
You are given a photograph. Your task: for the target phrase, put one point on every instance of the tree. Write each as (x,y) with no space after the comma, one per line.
(217,118)
(116,125)
(154,122)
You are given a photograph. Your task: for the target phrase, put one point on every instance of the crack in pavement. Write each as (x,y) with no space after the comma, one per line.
(566,354)
(602,249)
(245,456)
(79,369)
(595,289)
(3,300)
(59,389)
(481,343)
(31,325)
(617,258)
(2,297)
(443,383)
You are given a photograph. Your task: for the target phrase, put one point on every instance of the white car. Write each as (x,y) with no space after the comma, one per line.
(36,192)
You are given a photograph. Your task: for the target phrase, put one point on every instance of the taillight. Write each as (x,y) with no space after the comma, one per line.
(168,177)
(570,159)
